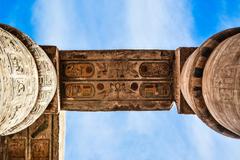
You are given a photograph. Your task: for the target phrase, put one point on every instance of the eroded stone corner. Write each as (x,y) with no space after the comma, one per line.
(181,55)
(53,54)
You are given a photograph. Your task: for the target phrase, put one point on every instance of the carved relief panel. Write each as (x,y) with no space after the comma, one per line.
(38,142)
(108,80)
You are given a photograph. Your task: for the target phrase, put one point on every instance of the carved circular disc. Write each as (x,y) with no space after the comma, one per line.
(221,87)
(47,80)
(19,81)
(191,80)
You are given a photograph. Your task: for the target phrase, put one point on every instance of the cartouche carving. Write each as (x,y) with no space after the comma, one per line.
(118,79)
(154,69)
(79,90)
(155,90)
(79,70)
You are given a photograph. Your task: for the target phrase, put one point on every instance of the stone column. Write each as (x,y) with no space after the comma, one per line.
(210,82)
(27,81)
(45,138)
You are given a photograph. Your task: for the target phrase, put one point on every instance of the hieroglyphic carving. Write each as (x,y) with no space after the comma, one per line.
(41,141)
(117,90)
(223,69)
(193,81)
(46,77)
(116,78)
(226,83)
(155,90)
(14,146)
(117,69)
(154,69)
(79,90)
(40,149)
(19,81)
(81,70)
(16,149)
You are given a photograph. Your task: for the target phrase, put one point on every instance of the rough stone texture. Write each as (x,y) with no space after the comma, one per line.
(181,55)
(222,77)
(18,81)
(111,80)
(46,76)
(44,139)
(191,80)
(53,54)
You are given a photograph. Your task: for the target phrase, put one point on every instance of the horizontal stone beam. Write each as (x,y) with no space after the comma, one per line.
(112,80)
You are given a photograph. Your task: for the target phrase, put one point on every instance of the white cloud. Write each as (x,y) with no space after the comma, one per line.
(142,123)
(90,134)
(202,138)
(56,23)
(159,23)
(231,20)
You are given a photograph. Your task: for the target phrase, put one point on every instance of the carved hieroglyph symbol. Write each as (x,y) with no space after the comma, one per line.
(79,70)
(117,90)
(40,149)
(117,69)
(154,69)
(116,80)
(79,90)
(16,148)
(222,77)
(155,90)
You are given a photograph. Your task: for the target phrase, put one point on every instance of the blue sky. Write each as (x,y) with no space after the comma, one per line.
(108,24)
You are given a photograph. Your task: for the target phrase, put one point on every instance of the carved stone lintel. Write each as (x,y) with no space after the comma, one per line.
(112,80)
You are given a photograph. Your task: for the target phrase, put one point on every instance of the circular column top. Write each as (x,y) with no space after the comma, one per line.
(221,87)
(47,79)
(18,81)
(191,80)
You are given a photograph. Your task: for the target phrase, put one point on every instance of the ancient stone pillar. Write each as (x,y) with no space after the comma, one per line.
(44,139)
(28,81)
(210,82)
